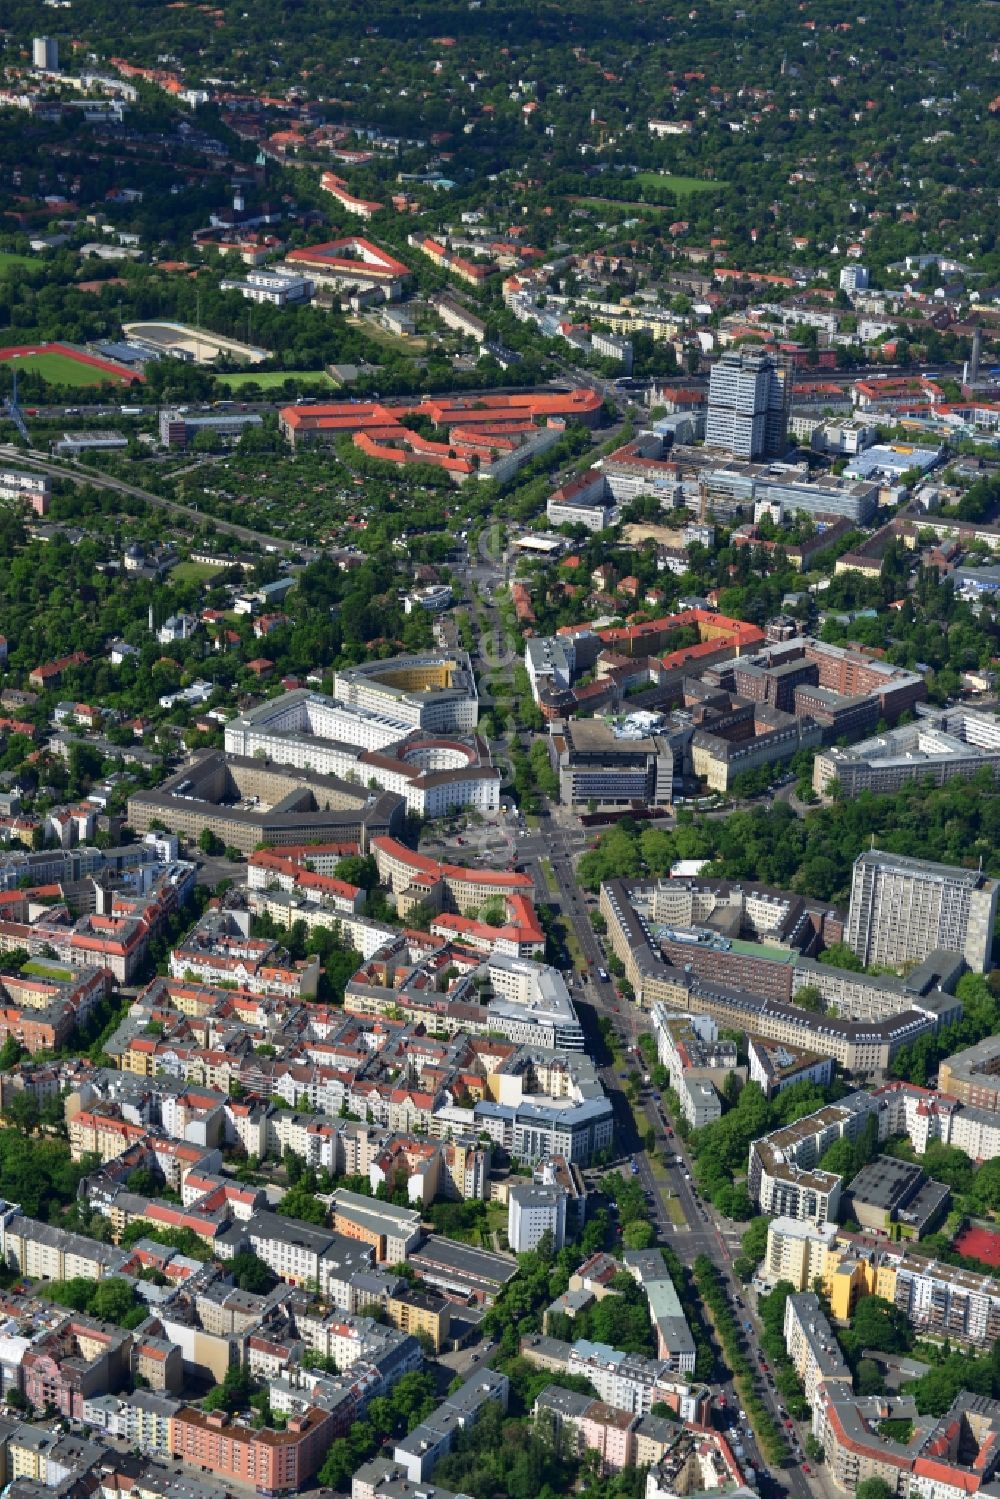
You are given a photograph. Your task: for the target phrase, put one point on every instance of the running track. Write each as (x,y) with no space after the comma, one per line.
(118,371)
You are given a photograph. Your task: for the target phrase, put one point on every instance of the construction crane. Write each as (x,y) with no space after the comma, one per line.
(15,413)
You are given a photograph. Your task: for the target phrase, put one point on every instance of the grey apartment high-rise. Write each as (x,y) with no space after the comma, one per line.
(748,400)
(45,54)
(902,909)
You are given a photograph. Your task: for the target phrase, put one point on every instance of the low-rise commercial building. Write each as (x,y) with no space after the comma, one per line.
(178,428)
(278,288)
(461,1271)
(890,1195)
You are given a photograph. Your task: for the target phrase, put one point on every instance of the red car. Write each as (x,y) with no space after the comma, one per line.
(806,1468)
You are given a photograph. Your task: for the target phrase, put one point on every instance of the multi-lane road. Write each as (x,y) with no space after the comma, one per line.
(559,843)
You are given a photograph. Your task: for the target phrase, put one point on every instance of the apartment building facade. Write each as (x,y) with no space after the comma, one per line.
(902,909)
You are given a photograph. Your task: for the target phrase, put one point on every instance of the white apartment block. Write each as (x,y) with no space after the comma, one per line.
(747,406)
(947,1301)
(306,729)
(796,1252)
(34,489)
(596,514)
(280,288)
(786,1189)
(627,1381)
(697,1061)
(854,278)
(775,1068)
(902,909)
(533,1211)
(550,662)
(457,317)
(783,1176)
(613,346)
(533,995)
(812,1347)
(43,1252)
(317,733)
(435,692)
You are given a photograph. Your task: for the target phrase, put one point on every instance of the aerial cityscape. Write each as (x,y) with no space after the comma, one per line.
(499,750)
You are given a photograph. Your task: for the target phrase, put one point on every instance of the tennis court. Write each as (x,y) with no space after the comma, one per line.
(981,1243)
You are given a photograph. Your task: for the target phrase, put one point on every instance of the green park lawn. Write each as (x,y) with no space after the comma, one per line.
(10,260)
(47,971)
(194,572)
(631,206)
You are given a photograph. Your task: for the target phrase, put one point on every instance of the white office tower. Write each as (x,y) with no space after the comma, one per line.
(854,278)
(902,909)
(45,54)
(748,400)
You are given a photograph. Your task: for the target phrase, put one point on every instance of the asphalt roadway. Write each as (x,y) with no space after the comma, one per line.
(704,1232)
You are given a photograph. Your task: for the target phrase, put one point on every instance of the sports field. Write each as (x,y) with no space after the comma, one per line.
(182,340)
(60,364)
(981,1243)
(684,187)
(270,379)
(58,370)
